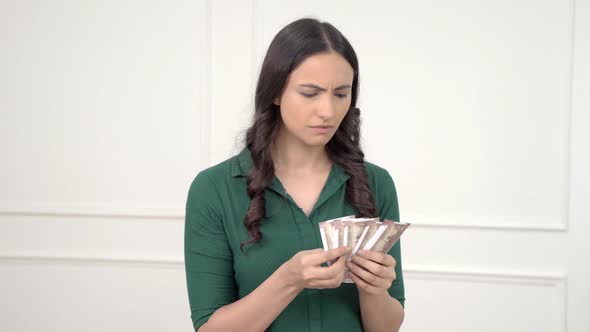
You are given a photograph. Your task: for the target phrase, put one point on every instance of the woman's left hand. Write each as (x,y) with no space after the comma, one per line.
(373,272)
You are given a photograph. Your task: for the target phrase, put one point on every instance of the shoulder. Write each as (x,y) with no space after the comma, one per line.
(377,175)
(383,188)
(221,170)
(210,179)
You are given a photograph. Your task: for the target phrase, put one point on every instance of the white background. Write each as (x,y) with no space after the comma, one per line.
(480,110)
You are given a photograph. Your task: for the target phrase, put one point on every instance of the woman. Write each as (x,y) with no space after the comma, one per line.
(252,246)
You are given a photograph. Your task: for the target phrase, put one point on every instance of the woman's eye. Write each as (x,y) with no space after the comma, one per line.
(310,95)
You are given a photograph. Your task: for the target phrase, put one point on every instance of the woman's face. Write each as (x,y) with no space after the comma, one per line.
(316,98)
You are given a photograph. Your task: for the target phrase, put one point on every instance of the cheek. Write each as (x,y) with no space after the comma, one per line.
(342,111)
(294,112)
(294,119)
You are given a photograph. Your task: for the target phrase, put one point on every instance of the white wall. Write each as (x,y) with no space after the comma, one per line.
(480,110)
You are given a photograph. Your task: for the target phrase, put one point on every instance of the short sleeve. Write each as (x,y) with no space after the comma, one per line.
(207,255)
(388,207)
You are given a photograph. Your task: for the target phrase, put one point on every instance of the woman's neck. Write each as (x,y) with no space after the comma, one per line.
(293,156)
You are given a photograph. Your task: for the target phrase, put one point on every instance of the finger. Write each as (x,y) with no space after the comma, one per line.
(313,251)
(326,256)
(377,257)
(320,284)
(330,272)
(368,277)
(360,283)
(385,272)
(345,256)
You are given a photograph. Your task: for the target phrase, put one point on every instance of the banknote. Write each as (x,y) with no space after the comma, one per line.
(330,232)
(360,233)
(356,228)
(386,236)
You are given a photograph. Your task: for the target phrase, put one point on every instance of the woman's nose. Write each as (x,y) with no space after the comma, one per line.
(326,109)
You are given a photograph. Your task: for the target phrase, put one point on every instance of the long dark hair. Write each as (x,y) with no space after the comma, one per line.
(293,44)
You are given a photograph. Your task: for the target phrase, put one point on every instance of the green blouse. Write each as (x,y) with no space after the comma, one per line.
(218,273)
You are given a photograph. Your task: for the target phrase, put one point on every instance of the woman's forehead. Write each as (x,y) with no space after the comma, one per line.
(327,70)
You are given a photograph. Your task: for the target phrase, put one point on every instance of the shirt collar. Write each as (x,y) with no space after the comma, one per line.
(242,163)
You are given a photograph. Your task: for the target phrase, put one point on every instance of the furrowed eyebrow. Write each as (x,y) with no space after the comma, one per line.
(310,85)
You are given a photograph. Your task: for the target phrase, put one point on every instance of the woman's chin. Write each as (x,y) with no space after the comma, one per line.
(317,141)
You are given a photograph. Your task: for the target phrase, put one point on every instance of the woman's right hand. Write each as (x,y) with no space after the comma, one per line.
(303,270)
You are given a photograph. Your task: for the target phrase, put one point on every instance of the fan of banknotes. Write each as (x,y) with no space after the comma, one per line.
(360,233)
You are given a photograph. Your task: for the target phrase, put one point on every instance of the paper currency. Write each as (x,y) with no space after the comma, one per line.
(386,236)
(360,233)
(370,229)
(330,231)
(356,228)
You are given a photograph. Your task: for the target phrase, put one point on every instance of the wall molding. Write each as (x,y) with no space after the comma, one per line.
(418,272)
(481,276)
(92,260)
(570,111)
(257,33)
(91,211)
(205,88)
(506,223)
(552,280)
(501,223)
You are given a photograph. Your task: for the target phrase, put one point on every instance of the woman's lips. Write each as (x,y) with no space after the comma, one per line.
(321,129)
